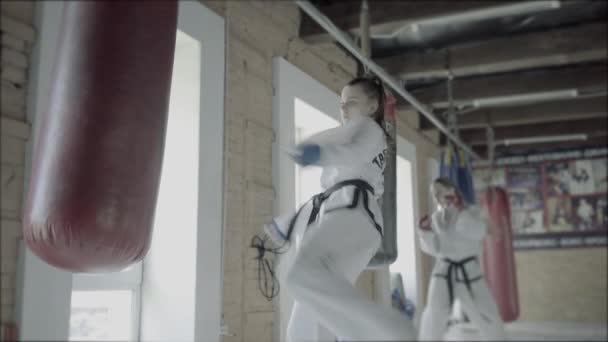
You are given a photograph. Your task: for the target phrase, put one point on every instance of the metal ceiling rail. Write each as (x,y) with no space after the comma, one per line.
(343,39)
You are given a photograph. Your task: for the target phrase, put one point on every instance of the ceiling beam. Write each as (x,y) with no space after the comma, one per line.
(592,127)
(385,16)
(502,150)
(571,45)
(469,89)
(556,111)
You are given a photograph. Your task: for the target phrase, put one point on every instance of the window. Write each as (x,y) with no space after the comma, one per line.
(105,307)
(169,292)
(101,315)
(406,263)
(308,121)
(302,107)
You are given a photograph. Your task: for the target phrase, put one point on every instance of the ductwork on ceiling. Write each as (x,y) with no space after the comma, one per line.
(437,32)
(428,34)
(541,139)
(522,99)
(440,31)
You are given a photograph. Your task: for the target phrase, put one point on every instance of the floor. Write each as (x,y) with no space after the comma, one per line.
(537,331)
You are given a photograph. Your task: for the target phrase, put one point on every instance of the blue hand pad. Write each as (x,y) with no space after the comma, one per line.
(309,154)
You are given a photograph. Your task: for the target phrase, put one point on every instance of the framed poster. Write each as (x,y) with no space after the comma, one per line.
(557,199)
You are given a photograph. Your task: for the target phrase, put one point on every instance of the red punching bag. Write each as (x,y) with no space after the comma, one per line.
(98,158)
(498,259)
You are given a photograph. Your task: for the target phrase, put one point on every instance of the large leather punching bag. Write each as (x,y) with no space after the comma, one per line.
(387,253)
(498,259)
(97,161)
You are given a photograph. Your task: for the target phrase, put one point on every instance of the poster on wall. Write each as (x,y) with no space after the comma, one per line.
(557,199)
(558,178)
(559,214)
(600,174)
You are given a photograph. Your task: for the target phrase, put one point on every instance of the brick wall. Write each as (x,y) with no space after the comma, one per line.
(18,37)
(254,36)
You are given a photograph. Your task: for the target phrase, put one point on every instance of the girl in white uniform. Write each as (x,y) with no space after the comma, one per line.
(337,232)
(453,235)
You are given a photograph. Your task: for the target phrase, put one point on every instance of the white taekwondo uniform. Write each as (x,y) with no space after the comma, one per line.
(455,240)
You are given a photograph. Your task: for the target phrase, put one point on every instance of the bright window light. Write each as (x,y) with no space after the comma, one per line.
(106,307)
(405,221)
(309,121)
(101,316)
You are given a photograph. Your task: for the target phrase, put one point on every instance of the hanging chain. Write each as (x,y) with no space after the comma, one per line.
(491,144)
(450,115)
(364,33)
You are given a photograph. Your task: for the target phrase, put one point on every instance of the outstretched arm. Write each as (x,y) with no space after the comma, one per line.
(348,144)
(429,241)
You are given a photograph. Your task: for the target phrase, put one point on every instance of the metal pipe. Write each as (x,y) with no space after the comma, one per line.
(515,99)
(521,8)
(509,66)
(520,99)
(491,143)
(542,139)
(587,94)
(343,39)
(364,21)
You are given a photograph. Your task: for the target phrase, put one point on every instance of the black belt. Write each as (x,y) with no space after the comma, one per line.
(267,282)
(454,267)
(362,189)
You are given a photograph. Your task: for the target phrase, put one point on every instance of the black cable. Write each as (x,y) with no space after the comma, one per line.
(268,283)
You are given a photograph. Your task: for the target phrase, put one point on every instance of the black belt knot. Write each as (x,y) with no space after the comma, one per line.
(453,268)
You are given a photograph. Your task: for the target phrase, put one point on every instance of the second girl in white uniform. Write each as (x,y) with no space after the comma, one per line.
(453,235)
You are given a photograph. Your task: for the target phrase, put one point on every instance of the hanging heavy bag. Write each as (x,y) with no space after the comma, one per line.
(387,253)
(98,157)
(498,258)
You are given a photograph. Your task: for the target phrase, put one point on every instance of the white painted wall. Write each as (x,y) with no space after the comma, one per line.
(43,299)
(182,274)
(407,216)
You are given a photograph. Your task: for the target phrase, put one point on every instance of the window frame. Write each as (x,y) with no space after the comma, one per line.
(290,85)
(129,279)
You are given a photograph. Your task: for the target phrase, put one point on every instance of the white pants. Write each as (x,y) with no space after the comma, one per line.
(481,309)
(328,259)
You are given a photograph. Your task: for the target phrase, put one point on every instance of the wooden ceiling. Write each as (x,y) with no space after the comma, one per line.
(558,57)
